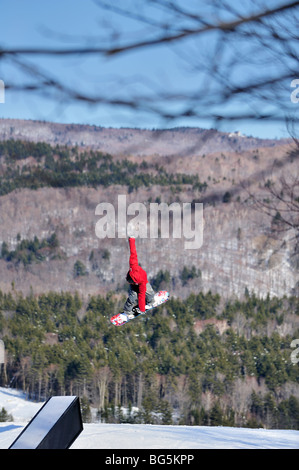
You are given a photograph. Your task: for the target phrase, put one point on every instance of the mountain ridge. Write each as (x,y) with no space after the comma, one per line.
(239,249)
(132,141)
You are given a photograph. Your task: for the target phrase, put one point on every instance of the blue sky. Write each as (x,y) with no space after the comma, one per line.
(36,23)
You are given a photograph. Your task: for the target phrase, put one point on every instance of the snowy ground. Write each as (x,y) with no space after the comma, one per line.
(141,436)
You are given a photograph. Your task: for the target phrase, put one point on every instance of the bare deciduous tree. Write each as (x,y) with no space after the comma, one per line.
(278,198)
(282,202)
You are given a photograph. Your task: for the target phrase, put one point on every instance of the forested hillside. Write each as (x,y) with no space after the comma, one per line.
(63,166)
(219,351)
(199,361)
(53,190)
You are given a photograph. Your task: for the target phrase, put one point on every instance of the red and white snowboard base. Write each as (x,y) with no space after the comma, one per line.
(121,318)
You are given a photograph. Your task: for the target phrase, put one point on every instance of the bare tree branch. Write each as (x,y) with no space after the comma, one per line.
(270,56)
(222,26)
(279,199)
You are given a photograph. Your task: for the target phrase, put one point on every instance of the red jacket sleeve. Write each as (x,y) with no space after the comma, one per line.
(137,274)
(133,254)
(141,296)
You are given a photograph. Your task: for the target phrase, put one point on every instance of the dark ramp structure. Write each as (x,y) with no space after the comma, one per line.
(55,426)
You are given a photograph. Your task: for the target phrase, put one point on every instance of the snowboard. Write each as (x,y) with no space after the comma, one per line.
(121,318)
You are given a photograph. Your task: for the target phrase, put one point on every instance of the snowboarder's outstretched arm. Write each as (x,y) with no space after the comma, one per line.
(133,254)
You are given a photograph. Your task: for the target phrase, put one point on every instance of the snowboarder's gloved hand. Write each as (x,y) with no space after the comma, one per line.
(132,229)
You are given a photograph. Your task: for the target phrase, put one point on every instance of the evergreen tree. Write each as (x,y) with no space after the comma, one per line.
(4,416)
(85,409)
(216,415)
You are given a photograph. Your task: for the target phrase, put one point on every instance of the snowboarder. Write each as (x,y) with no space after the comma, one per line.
(140,290)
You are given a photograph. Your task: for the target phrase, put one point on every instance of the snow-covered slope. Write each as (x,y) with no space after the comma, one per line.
(16,404)
(142,436)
